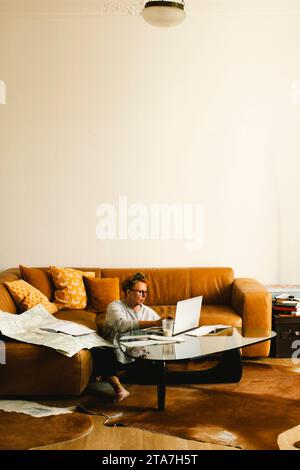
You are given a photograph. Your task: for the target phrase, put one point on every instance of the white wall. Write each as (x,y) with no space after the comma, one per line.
(99,107)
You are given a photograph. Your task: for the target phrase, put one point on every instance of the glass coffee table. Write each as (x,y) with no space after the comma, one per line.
(227,343)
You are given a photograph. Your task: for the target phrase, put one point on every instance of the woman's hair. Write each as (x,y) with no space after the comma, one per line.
(130,281)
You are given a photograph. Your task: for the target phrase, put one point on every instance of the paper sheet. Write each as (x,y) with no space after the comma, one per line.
(33,409)
(26,327)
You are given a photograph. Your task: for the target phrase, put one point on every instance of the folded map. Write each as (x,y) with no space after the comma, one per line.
(68,327)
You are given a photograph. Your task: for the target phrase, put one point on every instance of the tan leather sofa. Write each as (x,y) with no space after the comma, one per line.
(38,370)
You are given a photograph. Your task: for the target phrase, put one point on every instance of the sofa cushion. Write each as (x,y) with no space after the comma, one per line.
(219,315)
(169,285)
(70,291)
(210,314)
(26,296)
(38,370)
(78,316)
(39,278)
(101,292)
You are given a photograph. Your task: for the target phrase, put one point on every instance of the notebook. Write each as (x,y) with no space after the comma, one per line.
(187,315)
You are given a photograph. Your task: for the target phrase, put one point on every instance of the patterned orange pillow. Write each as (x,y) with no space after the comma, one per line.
(70,293)
(27,296)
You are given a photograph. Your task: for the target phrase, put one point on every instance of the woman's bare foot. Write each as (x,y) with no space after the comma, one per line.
(121,394)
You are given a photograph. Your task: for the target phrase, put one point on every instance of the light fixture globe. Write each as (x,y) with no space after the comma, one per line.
(164,13)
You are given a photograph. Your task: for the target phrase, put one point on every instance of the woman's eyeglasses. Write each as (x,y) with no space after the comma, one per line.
(143,293)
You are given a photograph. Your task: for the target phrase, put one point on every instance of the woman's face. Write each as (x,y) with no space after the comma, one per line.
(137,294)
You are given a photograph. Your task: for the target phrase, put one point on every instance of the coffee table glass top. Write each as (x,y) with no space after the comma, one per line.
(192,346)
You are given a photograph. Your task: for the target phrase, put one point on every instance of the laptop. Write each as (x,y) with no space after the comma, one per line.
(187,315)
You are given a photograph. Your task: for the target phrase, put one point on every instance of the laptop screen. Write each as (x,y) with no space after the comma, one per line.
(187,314)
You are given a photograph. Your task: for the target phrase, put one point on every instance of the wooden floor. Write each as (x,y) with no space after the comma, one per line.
(122,438)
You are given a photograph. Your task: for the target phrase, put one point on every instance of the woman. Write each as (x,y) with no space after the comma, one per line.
(121,316)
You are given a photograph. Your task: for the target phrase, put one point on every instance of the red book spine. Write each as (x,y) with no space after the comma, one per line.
(286,309)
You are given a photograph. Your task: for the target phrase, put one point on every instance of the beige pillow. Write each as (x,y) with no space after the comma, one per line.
(27,296)
(70,291)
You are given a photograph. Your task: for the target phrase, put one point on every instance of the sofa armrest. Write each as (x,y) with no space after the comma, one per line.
(7,303)
(254,303)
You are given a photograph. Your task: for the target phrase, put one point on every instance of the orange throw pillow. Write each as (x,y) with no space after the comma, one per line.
(101,292)
(40,279)
(70,293)
(27,296)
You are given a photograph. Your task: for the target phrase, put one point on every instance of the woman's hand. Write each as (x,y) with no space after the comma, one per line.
(150,323)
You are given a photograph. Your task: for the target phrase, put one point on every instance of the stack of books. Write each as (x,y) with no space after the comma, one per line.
(286,305)
(288,289)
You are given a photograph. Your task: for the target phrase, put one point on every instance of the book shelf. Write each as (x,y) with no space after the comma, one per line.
(287,340)
(287,326)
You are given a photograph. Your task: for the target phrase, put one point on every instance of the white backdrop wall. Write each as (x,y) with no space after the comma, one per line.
(100,107)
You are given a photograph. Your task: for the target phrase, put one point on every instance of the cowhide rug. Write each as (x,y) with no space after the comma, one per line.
(19,431)
(248,415)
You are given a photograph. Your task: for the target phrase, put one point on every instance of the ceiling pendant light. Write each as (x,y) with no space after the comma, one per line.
(164,13)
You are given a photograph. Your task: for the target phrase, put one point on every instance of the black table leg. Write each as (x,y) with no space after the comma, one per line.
(161,384)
